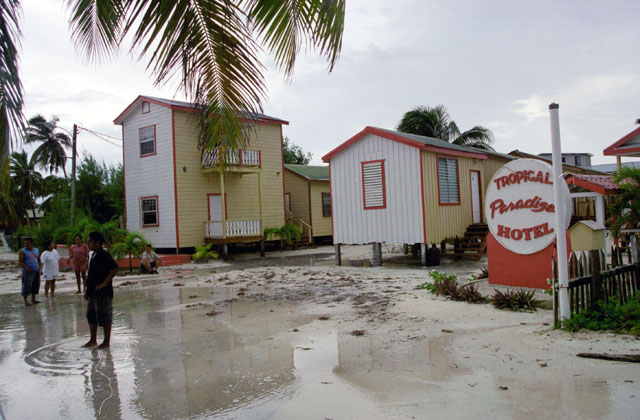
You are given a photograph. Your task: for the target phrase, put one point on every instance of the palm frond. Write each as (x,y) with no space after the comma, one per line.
(96,26)
(11,93)
(285,26)
(210,45)
(478,137)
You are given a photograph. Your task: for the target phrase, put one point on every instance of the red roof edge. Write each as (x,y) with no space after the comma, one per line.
(591,186)
(400,139)
(611,150)
(119,118)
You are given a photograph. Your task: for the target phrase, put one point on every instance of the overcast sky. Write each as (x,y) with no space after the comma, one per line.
(493,63)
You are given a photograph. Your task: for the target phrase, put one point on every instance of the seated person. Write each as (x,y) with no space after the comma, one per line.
(149,261)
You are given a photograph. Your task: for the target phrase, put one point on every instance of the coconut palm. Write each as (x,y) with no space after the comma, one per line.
(213,47)
(27,180)
(436,123)
(50,155)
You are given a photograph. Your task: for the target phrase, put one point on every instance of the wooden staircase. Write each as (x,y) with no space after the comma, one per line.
(474,242)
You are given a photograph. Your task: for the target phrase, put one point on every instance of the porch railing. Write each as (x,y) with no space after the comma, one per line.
(234,228)
(239,157)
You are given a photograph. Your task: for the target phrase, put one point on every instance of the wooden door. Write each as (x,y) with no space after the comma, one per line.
(476,197)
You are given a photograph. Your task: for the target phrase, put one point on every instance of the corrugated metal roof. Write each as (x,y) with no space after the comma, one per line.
(252,115)
(312,173)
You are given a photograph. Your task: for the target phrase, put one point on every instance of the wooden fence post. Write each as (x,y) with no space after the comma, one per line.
(596,280)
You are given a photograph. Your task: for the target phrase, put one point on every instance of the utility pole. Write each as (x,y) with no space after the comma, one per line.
(73,174)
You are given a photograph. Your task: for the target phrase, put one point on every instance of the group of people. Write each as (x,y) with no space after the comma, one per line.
(97,284)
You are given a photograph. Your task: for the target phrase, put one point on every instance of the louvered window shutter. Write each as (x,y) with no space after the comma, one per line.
(448,181)
(373,184)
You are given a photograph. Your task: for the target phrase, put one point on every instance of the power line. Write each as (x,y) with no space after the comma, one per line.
(102,136)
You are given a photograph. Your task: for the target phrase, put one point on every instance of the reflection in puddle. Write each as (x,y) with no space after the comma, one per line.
(169,360)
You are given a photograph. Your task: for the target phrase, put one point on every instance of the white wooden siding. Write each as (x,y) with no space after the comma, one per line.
(150,175)
(401,220)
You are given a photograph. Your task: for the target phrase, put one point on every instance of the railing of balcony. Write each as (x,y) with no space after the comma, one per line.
(234,228)
(239,157)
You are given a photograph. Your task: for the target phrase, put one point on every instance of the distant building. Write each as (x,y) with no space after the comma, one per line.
(610,168)
(627,146)
(576,159)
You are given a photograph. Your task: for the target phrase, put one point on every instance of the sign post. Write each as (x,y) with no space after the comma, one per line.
(561,239)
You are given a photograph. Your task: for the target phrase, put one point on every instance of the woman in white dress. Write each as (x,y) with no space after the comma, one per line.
(49,269)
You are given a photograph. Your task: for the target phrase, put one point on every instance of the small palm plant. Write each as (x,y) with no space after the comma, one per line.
(132,246)
(204,253)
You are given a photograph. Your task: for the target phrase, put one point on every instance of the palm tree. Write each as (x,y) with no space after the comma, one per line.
(50,155)
(132,245)
(626,205)
(27,179)
(213,45)
(436,123)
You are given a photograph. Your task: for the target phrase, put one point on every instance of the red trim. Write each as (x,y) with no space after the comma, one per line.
(281,161)
(400,139)
(612,150)
(124,180)
(155,143)
(457,176)
(175,177)
(260,156)
(119,118)
(226,209)
(424,212)
(157,211)
(589,186)
(148,105)
(384,187)
(332,212)
(479,193)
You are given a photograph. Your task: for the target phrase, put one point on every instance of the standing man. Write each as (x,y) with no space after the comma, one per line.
(102,270)
(29,260)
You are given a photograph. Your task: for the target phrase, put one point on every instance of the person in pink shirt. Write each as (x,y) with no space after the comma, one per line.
(79,258)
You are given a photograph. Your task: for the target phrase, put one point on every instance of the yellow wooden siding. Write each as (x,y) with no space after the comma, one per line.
(241,190)
(321,224)
(298,190)
(452,220)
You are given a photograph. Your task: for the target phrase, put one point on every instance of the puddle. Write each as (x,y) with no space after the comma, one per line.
(171,360)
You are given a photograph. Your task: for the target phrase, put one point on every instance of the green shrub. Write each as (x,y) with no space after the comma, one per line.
(516,300)
(610,316)
(447,285)
(204,252)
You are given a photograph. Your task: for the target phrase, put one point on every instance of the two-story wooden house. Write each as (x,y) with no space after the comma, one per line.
(178,196)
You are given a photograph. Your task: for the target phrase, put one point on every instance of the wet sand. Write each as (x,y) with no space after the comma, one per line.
(282,339)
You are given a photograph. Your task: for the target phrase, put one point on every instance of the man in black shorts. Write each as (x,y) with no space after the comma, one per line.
(102,270)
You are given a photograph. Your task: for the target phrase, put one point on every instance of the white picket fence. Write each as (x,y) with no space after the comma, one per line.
(240,157)
(235,228)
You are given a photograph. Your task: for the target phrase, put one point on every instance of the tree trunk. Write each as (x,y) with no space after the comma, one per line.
(130,264)
(633,358)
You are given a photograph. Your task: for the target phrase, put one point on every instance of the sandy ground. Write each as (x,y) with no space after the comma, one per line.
(366,343)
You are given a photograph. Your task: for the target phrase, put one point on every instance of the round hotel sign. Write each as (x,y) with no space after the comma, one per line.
(519,206)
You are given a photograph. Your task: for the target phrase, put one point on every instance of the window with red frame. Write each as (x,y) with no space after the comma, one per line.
(147,140)
(146,107)
(373,185)
(149,211)
(448,181)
